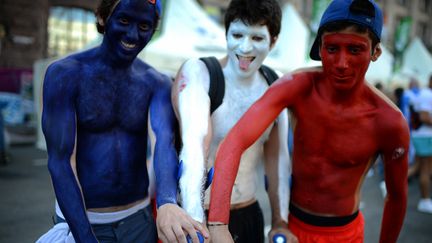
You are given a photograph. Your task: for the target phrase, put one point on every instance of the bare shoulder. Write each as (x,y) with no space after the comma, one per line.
(294,86)
(193,73)
(149,74)
(389,119)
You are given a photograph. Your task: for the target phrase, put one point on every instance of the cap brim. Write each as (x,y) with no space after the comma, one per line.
(314,52)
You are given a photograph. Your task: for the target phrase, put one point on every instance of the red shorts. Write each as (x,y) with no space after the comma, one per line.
(352,232)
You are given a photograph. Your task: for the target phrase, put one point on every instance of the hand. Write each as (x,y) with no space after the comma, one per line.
(174,224)
(220,234)
(282,230)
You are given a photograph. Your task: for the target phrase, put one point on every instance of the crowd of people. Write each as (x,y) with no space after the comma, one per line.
(415,103)
(215,123)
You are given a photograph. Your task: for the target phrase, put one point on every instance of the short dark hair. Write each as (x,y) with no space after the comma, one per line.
(252,12)
(104,10)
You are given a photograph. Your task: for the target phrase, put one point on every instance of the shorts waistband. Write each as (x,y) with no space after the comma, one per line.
(245,210)
(321,221)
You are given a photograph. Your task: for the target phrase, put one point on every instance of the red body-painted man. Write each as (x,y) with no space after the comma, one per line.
(342,124)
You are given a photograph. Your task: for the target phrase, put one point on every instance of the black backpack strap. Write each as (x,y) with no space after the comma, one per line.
(217,82)
(269,74)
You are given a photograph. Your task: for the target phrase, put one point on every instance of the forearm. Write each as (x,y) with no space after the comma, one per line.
(192,179)
(278,169)
(393,217)
(194,116)
(226,168)
(69,197)
(166,168)
(278,193)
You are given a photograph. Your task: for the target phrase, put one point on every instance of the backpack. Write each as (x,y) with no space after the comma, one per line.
(217,81)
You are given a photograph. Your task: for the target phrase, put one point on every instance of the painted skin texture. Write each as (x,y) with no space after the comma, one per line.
(247,45)
(355,124)
(95,118)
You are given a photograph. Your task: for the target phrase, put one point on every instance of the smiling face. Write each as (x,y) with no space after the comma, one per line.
(129,28)
(247,46)
(346,56)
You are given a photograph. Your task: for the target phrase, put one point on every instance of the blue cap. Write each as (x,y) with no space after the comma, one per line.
(363,12)
(158,5)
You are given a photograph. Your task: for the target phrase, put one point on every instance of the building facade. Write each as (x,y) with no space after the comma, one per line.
(24,29)
(24,35)
(403,18)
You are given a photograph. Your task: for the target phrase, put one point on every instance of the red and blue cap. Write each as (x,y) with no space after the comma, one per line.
(158,5)
(362,12)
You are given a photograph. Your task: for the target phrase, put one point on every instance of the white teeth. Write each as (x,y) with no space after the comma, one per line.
(242,58)
(127,45)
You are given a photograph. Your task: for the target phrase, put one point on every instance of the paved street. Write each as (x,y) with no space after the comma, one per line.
(26,202)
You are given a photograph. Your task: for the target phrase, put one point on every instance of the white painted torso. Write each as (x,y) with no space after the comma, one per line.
(236,102)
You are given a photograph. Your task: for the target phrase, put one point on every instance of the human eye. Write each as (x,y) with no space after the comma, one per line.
(123,21)
(257,38)
(331,49)
(237,35)
(354,49)
(144,27)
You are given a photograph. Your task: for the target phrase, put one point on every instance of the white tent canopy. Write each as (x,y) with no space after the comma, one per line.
(382,69)
(292,47)
(187,32)
(417,61)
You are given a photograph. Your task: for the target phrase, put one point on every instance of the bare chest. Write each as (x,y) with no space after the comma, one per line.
(342,138)
(102,104)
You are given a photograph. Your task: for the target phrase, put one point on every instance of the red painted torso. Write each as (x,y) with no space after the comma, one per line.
(333,148)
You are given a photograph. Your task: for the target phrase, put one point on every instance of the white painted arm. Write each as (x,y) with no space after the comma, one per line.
(284,163)
(193,110)
(278,163)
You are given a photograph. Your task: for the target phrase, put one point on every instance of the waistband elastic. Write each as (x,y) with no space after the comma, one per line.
(321,221)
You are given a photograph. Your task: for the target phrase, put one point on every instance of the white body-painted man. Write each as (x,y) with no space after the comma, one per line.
(252,30)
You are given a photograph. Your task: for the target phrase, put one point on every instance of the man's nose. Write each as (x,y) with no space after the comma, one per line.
(132,33)
(246,45)
(342,60)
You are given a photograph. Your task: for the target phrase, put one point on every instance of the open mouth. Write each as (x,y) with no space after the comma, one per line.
(244,62)
(128,45)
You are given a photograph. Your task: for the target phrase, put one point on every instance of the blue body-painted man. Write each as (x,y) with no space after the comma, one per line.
(96,108)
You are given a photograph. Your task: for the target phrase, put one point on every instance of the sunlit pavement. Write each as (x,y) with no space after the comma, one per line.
(26,202)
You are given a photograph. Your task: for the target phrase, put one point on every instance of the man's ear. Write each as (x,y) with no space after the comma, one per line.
(376,52)
(100,21)
(273,42)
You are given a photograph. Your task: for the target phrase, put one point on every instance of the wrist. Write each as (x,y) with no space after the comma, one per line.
(214,224)
(279,224)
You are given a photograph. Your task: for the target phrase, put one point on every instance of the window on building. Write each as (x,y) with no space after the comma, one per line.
(405,3)
(69,30)
(425,6)
(423,32)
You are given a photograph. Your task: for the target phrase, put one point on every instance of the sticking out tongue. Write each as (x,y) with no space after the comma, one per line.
(245,62)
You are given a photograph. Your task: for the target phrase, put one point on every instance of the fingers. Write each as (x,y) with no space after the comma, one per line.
(166,235)
(179,234)
(198,226)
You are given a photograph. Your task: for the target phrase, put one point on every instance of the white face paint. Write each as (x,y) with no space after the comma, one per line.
(248,46)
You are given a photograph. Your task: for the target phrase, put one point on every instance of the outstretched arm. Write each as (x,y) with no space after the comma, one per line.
(278,171)
(282,94)
(172,221)
(59,128)
(395,151)
(247,130)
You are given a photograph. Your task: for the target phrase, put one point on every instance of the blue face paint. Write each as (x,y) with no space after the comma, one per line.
(129,29)
(96,104)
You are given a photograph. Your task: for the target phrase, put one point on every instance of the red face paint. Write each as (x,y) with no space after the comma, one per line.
(345,58)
